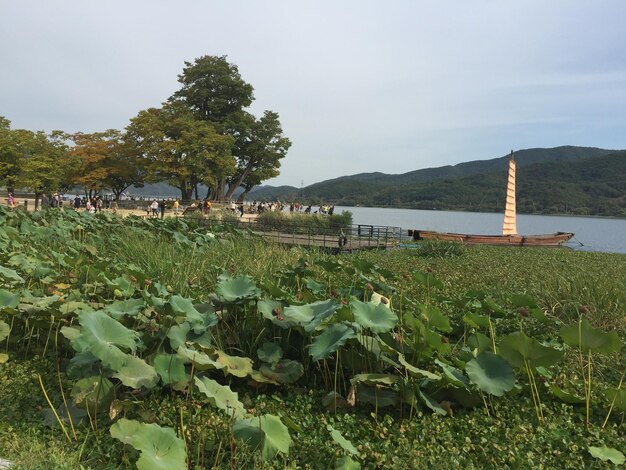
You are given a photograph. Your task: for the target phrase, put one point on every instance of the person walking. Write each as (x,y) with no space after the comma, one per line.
(176,206)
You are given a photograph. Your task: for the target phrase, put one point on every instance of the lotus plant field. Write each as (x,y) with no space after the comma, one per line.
(347,333)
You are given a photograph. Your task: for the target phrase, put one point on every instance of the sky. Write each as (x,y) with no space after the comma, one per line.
(359,85)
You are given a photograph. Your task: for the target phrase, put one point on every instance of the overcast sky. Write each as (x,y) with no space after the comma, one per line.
(360,86)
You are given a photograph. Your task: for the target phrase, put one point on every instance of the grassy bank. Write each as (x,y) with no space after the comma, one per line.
(253,355)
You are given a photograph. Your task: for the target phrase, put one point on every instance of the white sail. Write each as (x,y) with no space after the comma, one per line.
(510,217)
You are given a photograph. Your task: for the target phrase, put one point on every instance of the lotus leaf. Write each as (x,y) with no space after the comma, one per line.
(566,397)
(284,371)
(315,287)
(234,365)
(342,441)
(475,320)
(177,335)
(416,371)
(346,463)
(583,335)
(333,400)
(617,396)
(377,299)
(3,358)
(160,448)
(431,403)
(103,336)
(199,322)
(94,393)
(270,352)
(608,453)
(120,308)
(433,317)
(221,396)
(273,310)
(479,342)
(266,432)
(377,318)
(310,316)
(10,274)
(201,360)
(453,375)
(427,280)
(374,379)
(330,340)
(258,377)
(491,373)
(377,396)
(136,373)
(171,369)
(517,348)
(237,289)
(8,300)
(5,330)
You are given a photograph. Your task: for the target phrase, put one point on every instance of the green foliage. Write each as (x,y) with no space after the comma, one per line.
(305,223)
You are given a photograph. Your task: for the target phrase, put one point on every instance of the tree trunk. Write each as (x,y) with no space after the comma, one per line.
(233,186)
(195,187)
(219,190)
(37,196)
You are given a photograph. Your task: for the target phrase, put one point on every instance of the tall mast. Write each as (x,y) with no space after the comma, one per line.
(510,218)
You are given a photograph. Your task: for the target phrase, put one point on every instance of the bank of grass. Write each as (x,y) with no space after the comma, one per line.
(563,282)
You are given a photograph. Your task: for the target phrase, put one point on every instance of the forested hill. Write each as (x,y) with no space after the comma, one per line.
(577,180)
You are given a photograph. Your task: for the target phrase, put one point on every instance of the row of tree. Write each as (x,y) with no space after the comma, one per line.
(202,135)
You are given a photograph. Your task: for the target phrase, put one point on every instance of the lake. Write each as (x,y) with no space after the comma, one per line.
(591,233)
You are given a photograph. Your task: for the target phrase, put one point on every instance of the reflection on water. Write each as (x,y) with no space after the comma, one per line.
(595,234)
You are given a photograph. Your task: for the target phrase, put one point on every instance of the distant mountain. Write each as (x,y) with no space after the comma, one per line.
(557,180)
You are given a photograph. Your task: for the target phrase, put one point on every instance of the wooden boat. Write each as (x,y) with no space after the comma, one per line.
(509,236)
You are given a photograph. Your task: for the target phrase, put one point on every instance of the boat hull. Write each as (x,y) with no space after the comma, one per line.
(552,239)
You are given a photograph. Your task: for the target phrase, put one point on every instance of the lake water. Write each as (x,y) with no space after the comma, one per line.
(595,234)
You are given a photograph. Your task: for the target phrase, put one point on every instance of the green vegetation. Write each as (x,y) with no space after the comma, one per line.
(565,180)
(305,223)
(158,344)
(202,136)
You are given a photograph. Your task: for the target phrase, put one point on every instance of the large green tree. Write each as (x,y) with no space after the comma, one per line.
(180,149)
(214,91)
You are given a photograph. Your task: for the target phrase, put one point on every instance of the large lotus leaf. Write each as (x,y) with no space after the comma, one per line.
(171,368)
(237,289)
(221,396)
(583,335)
(431,403)
(235,365)
(342,441)
(273,310)
(517,348)
(270,353)
(427,280)
(103,336)
(377,396)
(617,396)
(5,330)
(94,393)
(330,340)
(433,317)
(136,373)
(315,287)
(284,371)
(10,274)
(566,397)
(199,321)
(8,299)
(266,432)
(416,371)
(479,341)
(453,375)
(475,320)
(491,373)
(607,453)
(377,318)
(120,308)
(375,379)
(160,448)
(177,335)
(310,316)
(347,463)
(202,361)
